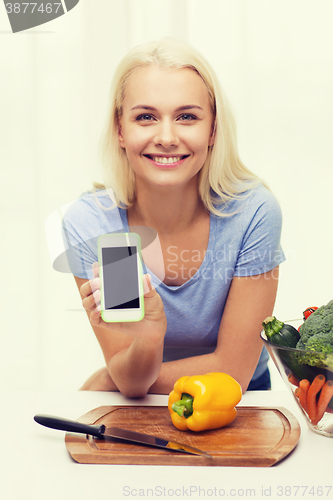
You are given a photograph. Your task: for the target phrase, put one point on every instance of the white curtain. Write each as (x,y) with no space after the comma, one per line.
(274,60)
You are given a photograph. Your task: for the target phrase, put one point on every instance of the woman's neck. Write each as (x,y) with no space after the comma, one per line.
(167,210)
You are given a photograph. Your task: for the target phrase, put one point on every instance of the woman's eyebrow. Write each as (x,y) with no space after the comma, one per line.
(189,106)
(142,106)
(181,108)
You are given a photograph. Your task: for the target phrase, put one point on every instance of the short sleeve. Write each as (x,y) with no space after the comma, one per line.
(84,222)
(262,223)
(80,243)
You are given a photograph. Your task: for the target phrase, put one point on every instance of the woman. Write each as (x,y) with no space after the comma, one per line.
(171,159)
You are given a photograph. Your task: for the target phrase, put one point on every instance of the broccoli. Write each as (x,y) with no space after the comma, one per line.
(317,336)
(321,342)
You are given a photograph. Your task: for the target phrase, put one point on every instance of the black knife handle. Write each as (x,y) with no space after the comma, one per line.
(63,424)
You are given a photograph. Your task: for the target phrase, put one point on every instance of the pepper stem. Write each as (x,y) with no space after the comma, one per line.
(184,407)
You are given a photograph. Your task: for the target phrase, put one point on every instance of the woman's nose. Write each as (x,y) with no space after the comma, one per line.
(166,135)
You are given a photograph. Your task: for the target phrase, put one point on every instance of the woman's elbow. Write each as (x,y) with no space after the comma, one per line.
(133,392)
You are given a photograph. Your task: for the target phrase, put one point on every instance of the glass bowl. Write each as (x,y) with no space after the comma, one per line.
(293,369)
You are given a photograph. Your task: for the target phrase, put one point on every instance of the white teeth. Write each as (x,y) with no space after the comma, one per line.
(164,159)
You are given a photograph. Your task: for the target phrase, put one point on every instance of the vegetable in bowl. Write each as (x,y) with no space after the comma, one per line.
(316,337)
(284,338)
(306,354)
(279,333)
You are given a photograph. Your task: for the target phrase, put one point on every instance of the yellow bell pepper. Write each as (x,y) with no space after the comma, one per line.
(204,402)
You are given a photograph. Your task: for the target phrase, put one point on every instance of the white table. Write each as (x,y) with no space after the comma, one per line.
(35,463)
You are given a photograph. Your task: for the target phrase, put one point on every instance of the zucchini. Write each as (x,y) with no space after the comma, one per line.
(279,333)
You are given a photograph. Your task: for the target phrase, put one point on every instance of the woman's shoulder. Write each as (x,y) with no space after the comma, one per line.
(94,210)
(261,209)
(89,202)
(251,200)
(260,195)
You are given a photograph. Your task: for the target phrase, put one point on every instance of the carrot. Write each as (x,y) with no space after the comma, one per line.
(303,392)
(304,385)
(311,398)
(324,398)
(302,400)
(292,379)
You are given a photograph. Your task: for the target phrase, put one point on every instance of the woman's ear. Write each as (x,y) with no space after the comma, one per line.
(120,136)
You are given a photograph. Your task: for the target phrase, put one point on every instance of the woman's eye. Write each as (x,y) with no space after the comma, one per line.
(187,117)
(144,118)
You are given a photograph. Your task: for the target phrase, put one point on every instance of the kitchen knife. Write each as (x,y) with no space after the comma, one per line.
(102,432)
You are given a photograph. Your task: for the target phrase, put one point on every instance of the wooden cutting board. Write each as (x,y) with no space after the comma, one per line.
(258,437)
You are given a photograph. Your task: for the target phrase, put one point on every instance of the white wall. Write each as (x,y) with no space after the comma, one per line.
(275,62)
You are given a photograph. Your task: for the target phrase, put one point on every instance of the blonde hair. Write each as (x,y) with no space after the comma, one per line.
(223,175)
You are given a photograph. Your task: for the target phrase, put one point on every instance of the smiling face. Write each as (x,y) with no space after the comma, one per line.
(166,125)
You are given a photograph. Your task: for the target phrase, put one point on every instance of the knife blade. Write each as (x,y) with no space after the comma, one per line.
(102,432)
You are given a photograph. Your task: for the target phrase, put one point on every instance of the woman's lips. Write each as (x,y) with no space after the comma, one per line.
(166,161)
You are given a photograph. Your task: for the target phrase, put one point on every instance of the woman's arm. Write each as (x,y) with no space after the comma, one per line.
(250,301)
(134,359)
(133,351)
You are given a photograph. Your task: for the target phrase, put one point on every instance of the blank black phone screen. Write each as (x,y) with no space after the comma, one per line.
(120,277)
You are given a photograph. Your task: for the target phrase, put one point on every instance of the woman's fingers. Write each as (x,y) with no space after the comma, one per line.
(95,269)
(91,301)
(91,294)
(154,309)
(146,284)
(90,287)
(95,316)
(148,289)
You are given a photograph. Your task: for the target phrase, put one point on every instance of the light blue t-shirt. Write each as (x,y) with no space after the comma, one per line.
(244,244)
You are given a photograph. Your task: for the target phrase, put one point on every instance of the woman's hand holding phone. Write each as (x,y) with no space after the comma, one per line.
(152,326)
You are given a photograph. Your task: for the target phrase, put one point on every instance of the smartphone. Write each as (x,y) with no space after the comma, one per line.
(120,264)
